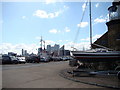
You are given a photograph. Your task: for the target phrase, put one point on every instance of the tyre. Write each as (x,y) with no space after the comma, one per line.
(118,75)
(15,62)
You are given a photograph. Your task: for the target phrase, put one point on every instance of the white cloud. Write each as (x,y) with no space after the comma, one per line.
(94,38)
(97,5)
(49,42)
(78,46)
(85,44)
(17,48)
(46,41)
(44,14)
(82,24)
(67,29)
(41,14)
(83,6)
(60,40)
(65,7)
(85,39)
(101,16)
(99,20)
(50,1)
(54,31)
(24,17)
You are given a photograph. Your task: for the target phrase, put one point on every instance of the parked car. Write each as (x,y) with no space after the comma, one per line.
(28,60)
(66,58)
(21,60)
(33,59)
(50,58)
(0,59)
(14,60)
(6,59)
(43,59)
(57,58)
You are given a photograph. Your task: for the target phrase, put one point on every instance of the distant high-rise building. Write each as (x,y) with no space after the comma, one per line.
(24,52)
(48,48)
(62,51)
(52,49)
(56,47)
(39,51)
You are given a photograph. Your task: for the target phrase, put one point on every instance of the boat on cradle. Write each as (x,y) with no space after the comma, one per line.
(93,55)
(96,56)
(98,60)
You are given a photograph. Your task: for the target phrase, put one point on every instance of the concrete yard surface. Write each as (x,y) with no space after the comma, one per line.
(42,75)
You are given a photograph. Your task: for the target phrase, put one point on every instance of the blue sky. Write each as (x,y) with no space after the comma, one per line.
(23,23)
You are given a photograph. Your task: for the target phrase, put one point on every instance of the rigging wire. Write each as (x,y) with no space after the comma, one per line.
(77,34)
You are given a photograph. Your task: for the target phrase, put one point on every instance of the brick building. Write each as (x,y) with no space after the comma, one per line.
(111,39)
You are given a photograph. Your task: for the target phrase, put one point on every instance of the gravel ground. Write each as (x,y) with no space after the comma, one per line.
(108,81)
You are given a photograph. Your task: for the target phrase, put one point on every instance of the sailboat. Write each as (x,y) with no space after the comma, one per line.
(94,55)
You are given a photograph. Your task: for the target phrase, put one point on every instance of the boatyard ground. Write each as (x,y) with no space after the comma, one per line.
(42,75)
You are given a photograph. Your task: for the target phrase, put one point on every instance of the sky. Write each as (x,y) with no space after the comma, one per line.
(23,24)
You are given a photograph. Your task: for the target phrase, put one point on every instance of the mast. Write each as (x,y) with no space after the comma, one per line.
(44,45)
(41,45)
(90,24)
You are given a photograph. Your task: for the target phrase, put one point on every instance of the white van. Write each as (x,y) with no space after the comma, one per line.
(21,60)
